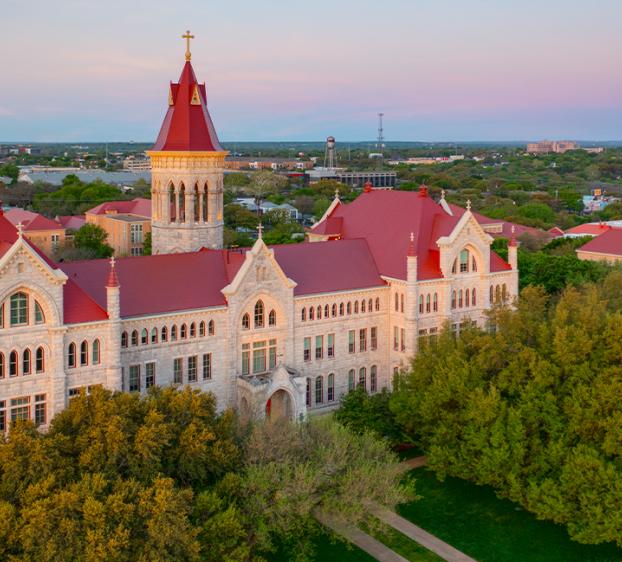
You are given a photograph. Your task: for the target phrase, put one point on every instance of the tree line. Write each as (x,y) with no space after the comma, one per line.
(165,476)
(530,406)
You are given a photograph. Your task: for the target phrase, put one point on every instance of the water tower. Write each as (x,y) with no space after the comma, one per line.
(330,155)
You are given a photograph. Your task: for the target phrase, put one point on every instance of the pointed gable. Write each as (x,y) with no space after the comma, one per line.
(187,125)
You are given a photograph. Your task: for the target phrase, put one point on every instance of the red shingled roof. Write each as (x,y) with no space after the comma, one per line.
(386,219)
(589,229)
(610,242)
(73,222)
(138,206)
(31,221)
(187,124)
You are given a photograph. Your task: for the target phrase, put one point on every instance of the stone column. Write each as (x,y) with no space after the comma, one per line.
(112,352)
(57,382)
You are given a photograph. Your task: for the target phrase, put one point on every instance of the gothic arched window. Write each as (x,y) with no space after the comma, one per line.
(134,337)
(40,360)
(19,309)
(303,314)
(259,314)
(201,328)
(193,330)
(39,316)
(124,339)
(26,362)
(164,333)
(473,298)
(272,318)
(13,361)
(84,353)
(211,328)
(95,352)
(246,322)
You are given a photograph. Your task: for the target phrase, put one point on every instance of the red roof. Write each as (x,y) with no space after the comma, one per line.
(79,307)
(609,242)
(138,206)
(385,219)
(589,229)
(31,221)
(72,222)
(187,124)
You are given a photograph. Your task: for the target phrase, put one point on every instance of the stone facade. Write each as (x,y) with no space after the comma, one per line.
(187,203)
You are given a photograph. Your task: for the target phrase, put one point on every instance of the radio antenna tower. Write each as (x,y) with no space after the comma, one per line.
(380,141)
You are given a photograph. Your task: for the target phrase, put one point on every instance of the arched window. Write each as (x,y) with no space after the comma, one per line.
(473,297)
(397,302)
(460,299)
(311,313)
(40,360)
(363,306)
(370,305)
(420,304)
(272,318)
(435,302)
(2,367)
(134,337)
(205,203)
(349,308)
(246,322)
(164,333)
(39,316)
(504,293)
(172,203)
(201,328)
(95,352)
(303,314)
(330,390)
(174,332)
(454,267)
(182,203)
(193,330)
(453,299)
(319,313)
(363,377)
(334,310)
(308,393)
(13,361)
(356,307)
(464,261)
(211,328)
(26,362)
(19,309)
(71,355)
(84,353)
(373,378)
(402,302)
(351,374)
(473,264)
(319,389)
(492,294)
(427,303)
(467,298)
(197,206)
(154,335)
(259,313)
(377,304)
(326,311)
(144,336)
(497,294)
(340,309)
(183,332)
(124,339)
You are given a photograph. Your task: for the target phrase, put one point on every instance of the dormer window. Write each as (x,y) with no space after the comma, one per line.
(464,263)
(19,309)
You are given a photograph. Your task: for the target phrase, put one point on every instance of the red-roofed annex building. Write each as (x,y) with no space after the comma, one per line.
(276,331)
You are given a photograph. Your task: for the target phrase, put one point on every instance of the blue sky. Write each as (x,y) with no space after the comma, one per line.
(292,70)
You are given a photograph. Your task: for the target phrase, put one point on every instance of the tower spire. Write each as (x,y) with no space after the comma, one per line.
(187,37)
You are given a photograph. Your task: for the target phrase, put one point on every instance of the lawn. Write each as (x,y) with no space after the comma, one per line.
(472,519)
(327,550)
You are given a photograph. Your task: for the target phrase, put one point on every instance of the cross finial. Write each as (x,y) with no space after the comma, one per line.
(412,236)
(513,229)
(260,231)
(187,37)
(337,193)
(112,262)
(20,229)
(442,194)
(468,205)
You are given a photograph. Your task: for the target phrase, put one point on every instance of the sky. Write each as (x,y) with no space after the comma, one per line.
(286,70)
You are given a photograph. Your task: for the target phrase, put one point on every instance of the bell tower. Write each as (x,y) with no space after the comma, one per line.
(187,166)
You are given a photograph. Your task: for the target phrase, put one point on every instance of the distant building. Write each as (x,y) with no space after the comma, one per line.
(137,163)
(267,206)
(544,147)
(605,247)
(427,160)
(125,222)
(46,234)
(71,222)
(249,163)
(378,179)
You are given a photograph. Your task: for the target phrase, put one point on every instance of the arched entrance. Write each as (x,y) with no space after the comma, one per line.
(279,406)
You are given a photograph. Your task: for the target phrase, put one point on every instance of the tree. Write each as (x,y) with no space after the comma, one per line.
(263,184)
(147,244)
(93,237)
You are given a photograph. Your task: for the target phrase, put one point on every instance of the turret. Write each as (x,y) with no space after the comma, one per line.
(112,348)
(513,251)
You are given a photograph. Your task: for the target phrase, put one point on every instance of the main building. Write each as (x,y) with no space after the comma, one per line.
(276,331)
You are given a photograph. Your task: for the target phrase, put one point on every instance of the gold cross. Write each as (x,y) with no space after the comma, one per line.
(187,37)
